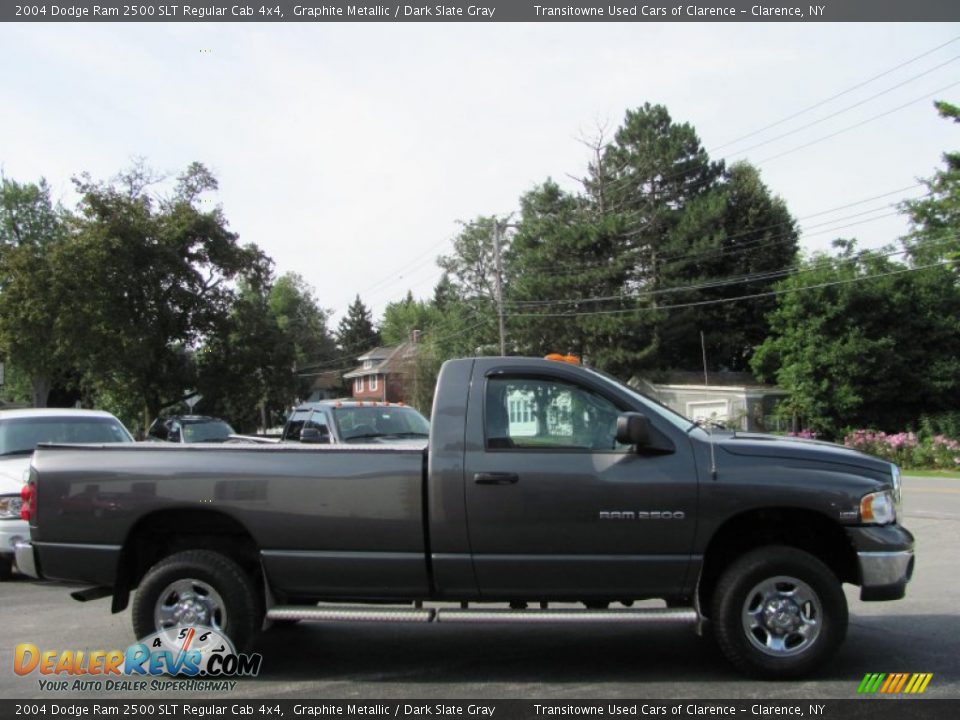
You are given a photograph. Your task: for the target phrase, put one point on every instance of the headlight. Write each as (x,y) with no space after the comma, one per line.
(10,506)
(878,508)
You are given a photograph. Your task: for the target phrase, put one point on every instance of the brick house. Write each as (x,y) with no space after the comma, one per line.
(384,374)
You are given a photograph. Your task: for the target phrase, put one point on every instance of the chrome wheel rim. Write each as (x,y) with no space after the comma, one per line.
(782,616)
(189,602)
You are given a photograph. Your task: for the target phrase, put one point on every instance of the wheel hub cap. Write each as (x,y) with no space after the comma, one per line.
(782,616)
(189,602)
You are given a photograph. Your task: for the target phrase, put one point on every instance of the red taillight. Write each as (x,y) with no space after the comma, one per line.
(29,508)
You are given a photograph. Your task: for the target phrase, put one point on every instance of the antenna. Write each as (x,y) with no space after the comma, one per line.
(706,383)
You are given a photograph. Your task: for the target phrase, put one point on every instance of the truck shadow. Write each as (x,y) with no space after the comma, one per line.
(414,654)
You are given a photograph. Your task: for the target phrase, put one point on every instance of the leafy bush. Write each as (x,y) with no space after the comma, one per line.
(907,449)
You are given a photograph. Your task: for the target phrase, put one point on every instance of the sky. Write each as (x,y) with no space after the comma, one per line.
(350,152)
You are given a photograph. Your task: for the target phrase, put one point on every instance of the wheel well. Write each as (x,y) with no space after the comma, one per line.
(169,531)
(803,529)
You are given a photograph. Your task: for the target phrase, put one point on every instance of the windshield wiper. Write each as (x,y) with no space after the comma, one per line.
(407,434)
(11,453)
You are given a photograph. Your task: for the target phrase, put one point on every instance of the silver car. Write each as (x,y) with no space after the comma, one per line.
(20,432)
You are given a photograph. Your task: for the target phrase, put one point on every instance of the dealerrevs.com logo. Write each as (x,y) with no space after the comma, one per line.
(203,655)
(894,683)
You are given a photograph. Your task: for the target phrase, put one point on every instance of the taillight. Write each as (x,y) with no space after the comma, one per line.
(29,497)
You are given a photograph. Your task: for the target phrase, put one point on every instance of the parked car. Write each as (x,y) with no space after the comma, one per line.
(355,421)
(20,432)
(190,429)
(542,482)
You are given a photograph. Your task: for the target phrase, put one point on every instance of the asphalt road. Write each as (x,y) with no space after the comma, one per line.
(918,634)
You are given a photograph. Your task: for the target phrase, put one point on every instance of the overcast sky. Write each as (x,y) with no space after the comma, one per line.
(348,152)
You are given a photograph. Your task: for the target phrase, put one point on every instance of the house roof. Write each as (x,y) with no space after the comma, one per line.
(378,353)
(715,378)
(326,380)
(392,360)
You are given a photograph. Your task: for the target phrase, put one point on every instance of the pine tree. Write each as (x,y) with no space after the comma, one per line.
(355,333)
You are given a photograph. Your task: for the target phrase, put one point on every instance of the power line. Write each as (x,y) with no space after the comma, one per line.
(835,96)
(772,293)
(625,181)
(846,109)
(725,282)
(859,124)
(750,246)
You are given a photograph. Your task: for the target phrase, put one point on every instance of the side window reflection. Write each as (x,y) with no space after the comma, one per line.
(545,413)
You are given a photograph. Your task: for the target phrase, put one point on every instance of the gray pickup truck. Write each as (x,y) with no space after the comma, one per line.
(547,492)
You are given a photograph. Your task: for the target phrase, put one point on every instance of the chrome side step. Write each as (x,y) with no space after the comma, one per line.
(654,616)
(350,614)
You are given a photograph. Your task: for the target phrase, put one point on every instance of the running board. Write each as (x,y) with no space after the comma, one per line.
(312,613)
(654,616)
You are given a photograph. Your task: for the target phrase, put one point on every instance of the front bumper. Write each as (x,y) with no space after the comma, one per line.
(11,532)
(26,560)
(885,558)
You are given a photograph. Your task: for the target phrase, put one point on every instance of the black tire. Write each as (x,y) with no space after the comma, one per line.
(234,604)
(778,612)
(6,567)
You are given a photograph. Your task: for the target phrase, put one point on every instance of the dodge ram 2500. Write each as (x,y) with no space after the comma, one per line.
(542,483)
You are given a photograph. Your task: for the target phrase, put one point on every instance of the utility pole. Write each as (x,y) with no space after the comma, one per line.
(497,228)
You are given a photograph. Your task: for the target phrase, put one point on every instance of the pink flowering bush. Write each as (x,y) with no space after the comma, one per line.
(907,449)
(805,434)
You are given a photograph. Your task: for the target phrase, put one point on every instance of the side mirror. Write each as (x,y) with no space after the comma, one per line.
(633,428)
(313,436)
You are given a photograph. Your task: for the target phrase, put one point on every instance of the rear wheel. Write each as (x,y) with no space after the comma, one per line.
(198,587)
(6,567)
(779,612)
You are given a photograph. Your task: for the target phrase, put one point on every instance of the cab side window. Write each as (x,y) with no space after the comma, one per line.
(547,413)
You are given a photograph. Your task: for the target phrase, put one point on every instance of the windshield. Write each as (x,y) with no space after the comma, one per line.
(19,436)
(358,423)
(656,406)
(206,431)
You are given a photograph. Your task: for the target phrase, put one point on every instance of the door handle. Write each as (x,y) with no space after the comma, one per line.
(496,478)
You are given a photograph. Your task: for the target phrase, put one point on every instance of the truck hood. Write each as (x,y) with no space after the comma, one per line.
(790,448)
(11,473)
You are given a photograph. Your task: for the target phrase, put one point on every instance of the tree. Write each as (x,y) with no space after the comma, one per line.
(631,272)
(303,324)
(648,175)
(739,240)
(149,279)
(249,369)
(860,339)
(400,319)
(32,299)
(935,218)
(246,366)
(561,260)
(355,333)
(444,293)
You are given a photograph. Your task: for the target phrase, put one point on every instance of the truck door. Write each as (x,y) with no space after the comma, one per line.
(556,508)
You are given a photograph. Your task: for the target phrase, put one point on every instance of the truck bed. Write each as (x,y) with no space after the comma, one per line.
(325,521)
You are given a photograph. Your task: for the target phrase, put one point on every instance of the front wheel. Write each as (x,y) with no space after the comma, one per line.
(198,587)
(779,612)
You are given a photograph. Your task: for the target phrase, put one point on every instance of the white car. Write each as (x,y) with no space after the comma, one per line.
(20,432)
